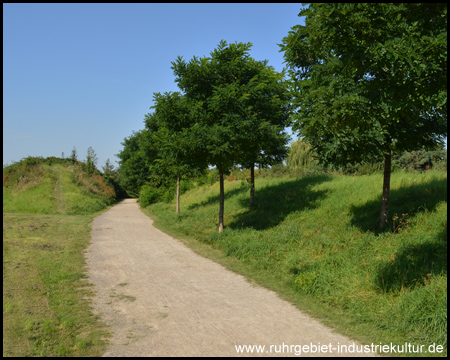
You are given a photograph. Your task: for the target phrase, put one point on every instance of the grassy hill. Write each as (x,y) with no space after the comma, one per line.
(47,210)
(32,186)
(315,241)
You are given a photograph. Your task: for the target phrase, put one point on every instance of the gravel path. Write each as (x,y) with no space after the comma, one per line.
(162,299)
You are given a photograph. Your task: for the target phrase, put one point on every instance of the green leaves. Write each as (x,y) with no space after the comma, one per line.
(363,73)
(237,93)
(176,135)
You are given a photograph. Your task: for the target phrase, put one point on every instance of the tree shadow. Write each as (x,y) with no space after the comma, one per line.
(274,203)
(215,199)
(414,265)
(408,200)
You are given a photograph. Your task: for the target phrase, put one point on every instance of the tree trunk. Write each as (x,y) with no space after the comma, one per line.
(221,206)
(252,184)
(386,188)
(178,194)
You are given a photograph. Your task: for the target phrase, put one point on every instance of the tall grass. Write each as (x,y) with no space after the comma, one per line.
(316,238)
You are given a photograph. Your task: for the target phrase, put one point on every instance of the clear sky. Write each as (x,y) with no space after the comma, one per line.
(80,75)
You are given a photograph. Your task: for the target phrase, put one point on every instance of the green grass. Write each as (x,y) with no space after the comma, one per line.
(46,228)
(32,196)
(315,241)
(53,190)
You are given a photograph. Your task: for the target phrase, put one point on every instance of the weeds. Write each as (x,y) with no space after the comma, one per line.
(403,223)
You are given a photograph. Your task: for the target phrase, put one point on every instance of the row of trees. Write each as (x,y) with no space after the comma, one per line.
(365,80)
(233,110)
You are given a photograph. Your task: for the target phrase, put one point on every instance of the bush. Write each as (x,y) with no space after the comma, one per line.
(369,168)
(277,171)
(31,161)
(27,171)
(150,194)
(167,194)
(212,177)
(108,190)
(422,160)
(185,185)
(208,178)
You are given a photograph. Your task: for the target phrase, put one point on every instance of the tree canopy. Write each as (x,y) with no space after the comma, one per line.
(177,137)
(134,159)
(369,79)
(244,107)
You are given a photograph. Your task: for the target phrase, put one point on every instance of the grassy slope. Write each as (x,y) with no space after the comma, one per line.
(314,240)
(46,310)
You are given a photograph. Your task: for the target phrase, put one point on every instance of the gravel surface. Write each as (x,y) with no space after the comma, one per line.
(162,299)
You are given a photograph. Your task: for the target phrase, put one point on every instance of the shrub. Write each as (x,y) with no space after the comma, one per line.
(212,178)
(208,178)
(186,184)
(369,168)
(108,190)
(149,195)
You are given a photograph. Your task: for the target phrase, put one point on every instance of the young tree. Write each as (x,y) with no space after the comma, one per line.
(91,161)
(108,170)
(267,112)
(226,86)
(214,83)
(176,137)
(73,156)
(369,79)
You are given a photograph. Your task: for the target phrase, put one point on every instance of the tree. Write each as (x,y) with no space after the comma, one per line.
(176,137)
(267,112)
(226,87)
(91,161)
(134,169)
(300,157)
(73,156)
(108,170)
(369,79)
(214,83)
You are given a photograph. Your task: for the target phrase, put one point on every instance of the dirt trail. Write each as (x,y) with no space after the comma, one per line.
(162,299)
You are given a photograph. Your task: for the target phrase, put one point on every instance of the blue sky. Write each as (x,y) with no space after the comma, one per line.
(80,75)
